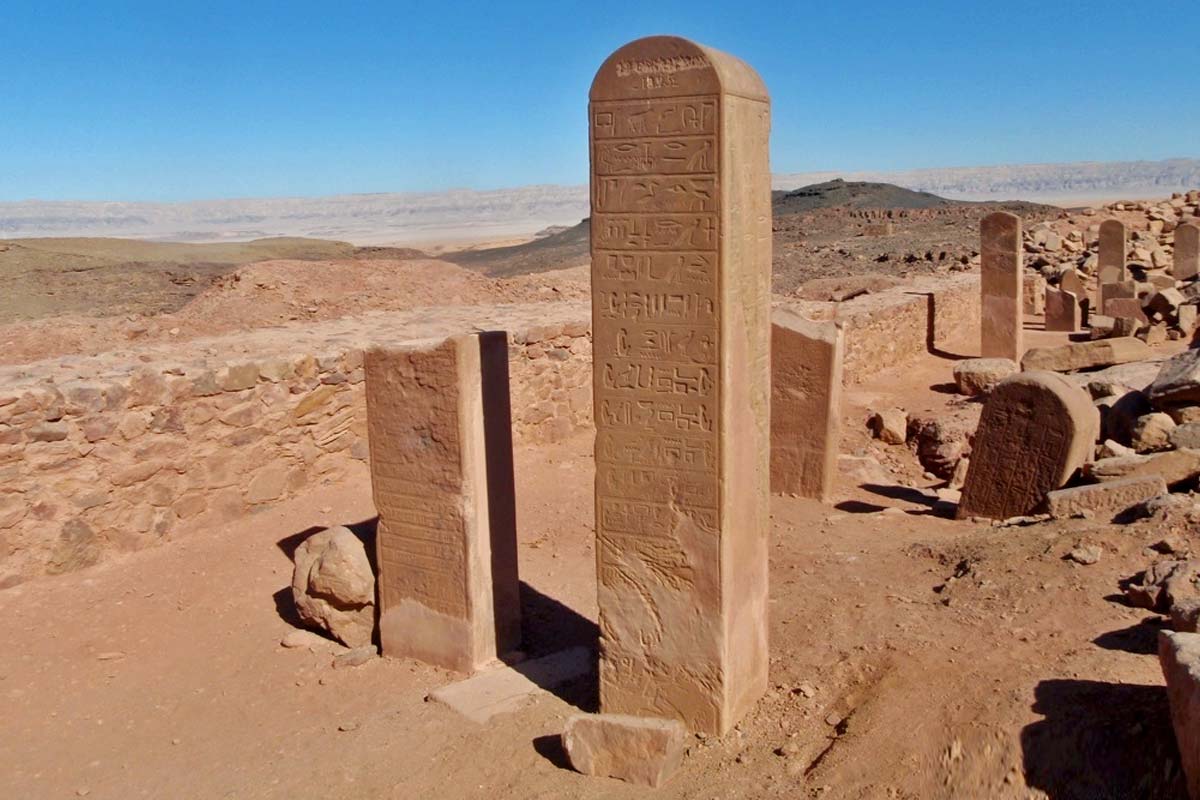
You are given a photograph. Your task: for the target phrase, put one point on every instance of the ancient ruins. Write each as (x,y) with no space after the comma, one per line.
(842,490)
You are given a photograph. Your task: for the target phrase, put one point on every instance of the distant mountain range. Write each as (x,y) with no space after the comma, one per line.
(466,214)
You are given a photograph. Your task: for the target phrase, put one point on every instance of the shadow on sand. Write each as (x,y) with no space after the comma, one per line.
(1102,741)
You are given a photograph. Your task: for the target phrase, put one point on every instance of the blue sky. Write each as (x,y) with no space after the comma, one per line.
(186,100)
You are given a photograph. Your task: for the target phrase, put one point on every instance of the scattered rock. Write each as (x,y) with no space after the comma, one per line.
(976,376)
(1152,432)
(301,639)
(355,657)
(641,750)
(1178,382)
(890,425)
(1084,554)
(334,587)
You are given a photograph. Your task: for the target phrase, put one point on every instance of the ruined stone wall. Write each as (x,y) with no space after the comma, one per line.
(113,453)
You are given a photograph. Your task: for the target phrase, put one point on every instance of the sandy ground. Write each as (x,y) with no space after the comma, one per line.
(912,657)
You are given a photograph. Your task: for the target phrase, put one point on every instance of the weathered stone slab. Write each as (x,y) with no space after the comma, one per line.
(1173,466)
(1086,355)
(1187,252)
(1178,382)
(1002,317)
(641,750)
(442,478)
(1114,246)
(1037,428)
(509,688)
(1063,311)
(1070,281)
(1104,499)
(806,403)
(1179,657)
(681,262)
(974,376)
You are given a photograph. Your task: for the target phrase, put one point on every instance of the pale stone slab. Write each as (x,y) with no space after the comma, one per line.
(1114,246)
(1063,311)
(681,263)
(641,750)
(1104,499)
(806,404)
(1187,252)
(510,688)
(1070,281)
(1179,657)
(440,441)
(1086,355)
(1037,428)
(1002,316)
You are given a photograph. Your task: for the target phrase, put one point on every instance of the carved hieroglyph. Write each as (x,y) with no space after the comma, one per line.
(1035,431)
(1114,246)
(439,430)
(681,259)
(806,404)
(1001,313)
(1187,252)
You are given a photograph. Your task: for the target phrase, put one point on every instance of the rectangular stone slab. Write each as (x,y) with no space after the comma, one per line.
(1187,252)
(681,260)
(1002,313)
(1114,246)
(439,431)
(806,404)
(1063,312)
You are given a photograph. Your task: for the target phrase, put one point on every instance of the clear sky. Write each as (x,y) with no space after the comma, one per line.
(176,100)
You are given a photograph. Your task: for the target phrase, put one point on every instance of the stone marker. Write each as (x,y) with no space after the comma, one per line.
(1037,428)
(1123,290)
(1001,311)
(439,429)
(1063,311)
(1114,246)
(641,750)
(1086,355)
(681,263)
(1070,281)
(1187,252)
(1179,657)
(806,402)
(1105,499)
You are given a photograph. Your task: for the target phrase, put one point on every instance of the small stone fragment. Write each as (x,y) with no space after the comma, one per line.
(1152,432)
(1084,554)
(355,657)
(975,376)
(890,425)
(641,750)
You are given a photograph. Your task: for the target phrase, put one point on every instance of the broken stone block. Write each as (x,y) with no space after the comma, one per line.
(1178,381)
(1165,302)
(641,750)
(333,586)
(1152,432)
(975,376)
(806,402)
(1103,499)
(1063,311)
(890,425)
(1126,308)
(1085,355)
(1036,430)
(1033,294)
(1179,657)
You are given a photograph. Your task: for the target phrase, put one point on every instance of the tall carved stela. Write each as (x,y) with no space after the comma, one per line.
(681,258)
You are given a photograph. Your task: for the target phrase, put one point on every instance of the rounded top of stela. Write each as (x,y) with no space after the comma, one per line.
(670,66)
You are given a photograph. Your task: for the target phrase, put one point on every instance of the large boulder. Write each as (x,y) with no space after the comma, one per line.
(333,586)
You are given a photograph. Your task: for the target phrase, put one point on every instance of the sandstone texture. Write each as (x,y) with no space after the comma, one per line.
(1104,499)
(1085,355)
(1036,430)
(640,750)
(1178,382)
(1001,315)
(333,586)
(683,390)
(1179,655)
(975,376)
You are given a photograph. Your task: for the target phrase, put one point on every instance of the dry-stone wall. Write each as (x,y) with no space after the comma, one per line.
(111,453)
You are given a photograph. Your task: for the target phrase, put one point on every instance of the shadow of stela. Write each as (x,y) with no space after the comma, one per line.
(548,626)
(931,343)
(1102,741)
(1140,639)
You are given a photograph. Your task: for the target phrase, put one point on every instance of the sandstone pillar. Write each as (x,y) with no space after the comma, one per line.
(1001,317)
(1187,252)
(1114,246)
(681,262)
(440,438)
(806,404)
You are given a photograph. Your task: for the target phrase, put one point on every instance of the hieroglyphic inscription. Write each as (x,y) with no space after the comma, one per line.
(655,233)
(416,475)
